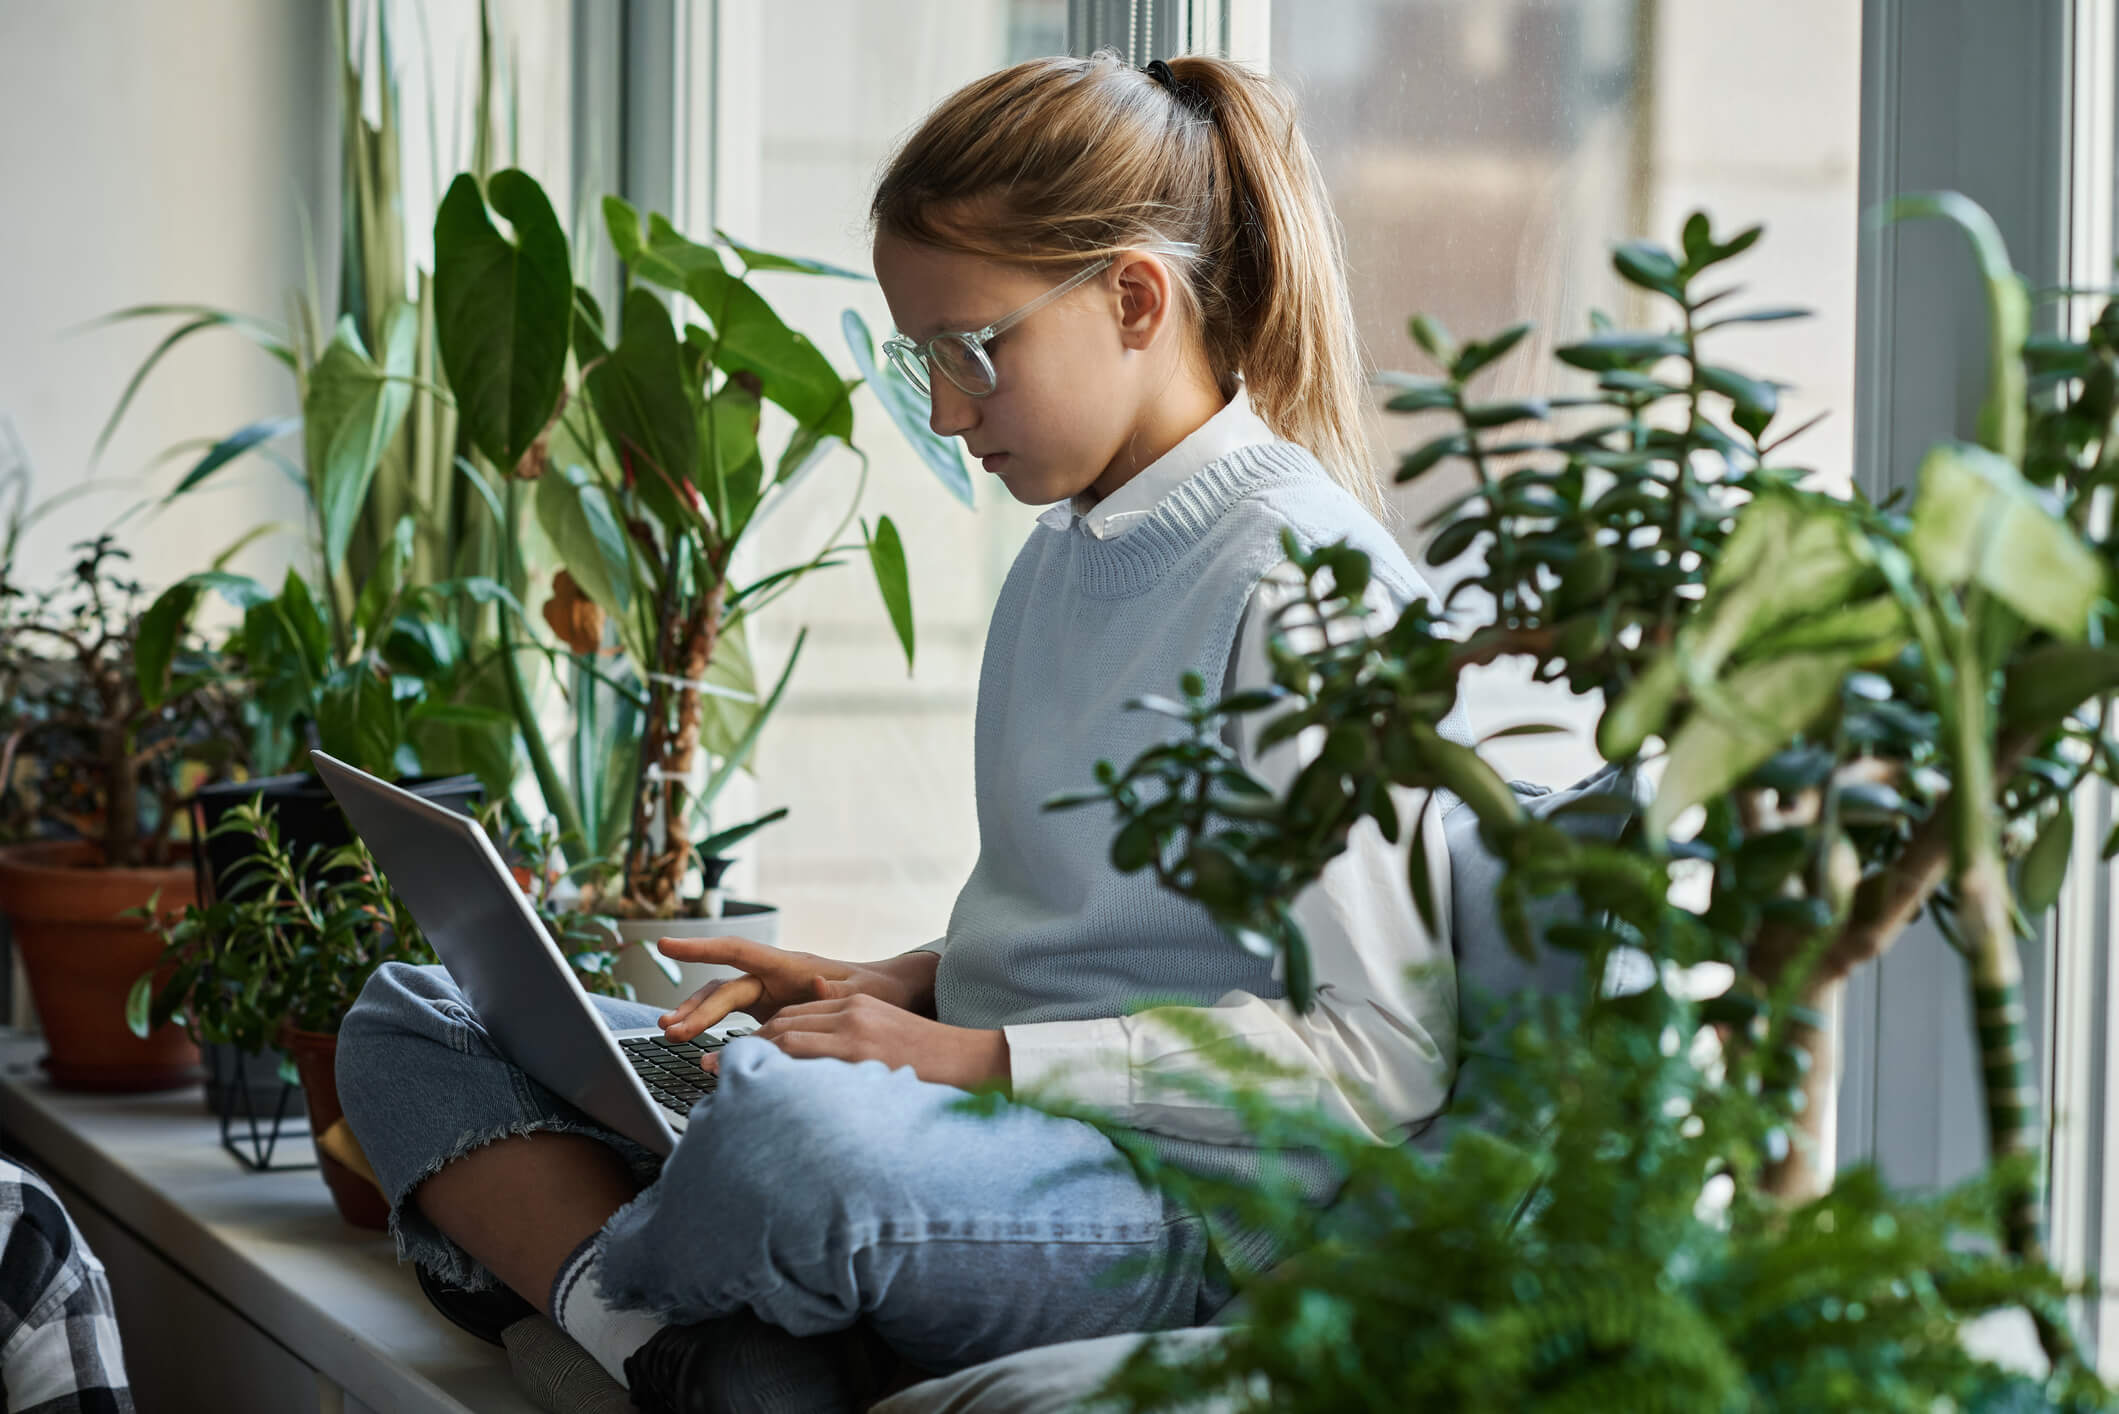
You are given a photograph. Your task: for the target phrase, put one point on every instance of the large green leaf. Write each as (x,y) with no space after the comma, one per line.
(350,411)
(750,337)
(728,707)
(1750,715)
(576,513)
(908,408)
(765,260)
(728,428)
(503,311)
(1977,520)
(886,555)
(641,399)
(162,626)
(2049,682)
(359,720)
(657,252)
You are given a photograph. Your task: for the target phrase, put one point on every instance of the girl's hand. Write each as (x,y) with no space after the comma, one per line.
(777,979)
(856,1026)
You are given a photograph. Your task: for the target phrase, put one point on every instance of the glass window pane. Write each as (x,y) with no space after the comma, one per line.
(1484,156)
(875,766)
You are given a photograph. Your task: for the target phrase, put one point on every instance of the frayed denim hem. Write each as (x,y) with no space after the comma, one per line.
(420,1242)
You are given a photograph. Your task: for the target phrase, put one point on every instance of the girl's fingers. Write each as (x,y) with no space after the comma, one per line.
(732,995)
(685,1008)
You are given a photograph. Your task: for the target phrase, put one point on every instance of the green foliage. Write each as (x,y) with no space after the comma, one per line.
(359,690)
(1854,711)
(1592,1238)
(650,476)
(291,943)
(83,751)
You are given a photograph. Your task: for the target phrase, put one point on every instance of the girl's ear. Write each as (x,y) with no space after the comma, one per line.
(1146,298)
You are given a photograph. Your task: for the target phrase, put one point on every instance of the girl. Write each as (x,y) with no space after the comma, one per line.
(1122,289)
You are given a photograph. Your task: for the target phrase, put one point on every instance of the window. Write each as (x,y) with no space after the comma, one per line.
(1483,157)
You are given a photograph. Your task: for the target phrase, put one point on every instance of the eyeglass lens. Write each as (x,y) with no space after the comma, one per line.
(959,359)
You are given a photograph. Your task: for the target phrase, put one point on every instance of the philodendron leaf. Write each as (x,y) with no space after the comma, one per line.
(350,411)
(640,398)
(2050,681)
(503,311)
(1754,713)
(1977,520)
(886,554)
(576,514)
(908,408)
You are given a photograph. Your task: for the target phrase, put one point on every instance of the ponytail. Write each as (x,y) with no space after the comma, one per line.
(1057,160)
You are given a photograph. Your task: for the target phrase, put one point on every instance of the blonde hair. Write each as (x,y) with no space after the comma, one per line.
(1062,160)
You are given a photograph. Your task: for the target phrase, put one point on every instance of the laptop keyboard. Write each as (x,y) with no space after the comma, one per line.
(670,1069)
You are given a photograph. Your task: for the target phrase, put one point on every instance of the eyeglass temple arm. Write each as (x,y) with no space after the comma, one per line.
(1009,321)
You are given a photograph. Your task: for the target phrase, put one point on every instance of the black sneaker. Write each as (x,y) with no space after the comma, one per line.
(739,1364)
(484,1314)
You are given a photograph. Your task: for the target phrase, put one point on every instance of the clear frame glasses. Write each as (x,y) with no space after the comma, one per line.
(962,356)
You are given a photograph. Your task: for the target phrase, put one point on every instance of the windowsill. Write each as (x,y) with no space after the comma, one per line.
(270,1245)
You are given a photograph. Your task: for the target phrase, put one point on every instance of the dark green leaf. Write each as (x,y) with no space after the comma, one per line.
(2045,867)
(1606,352)
(886,555)
(763,260)
(503,311)
(1423,458)
(350,411)
(1431,336)
(1481,354)
(641,400)
(1649,266)
(232,446)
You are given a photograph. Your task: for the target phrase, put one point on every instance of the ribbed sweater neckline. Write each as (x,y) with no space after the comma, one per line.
(1131,562)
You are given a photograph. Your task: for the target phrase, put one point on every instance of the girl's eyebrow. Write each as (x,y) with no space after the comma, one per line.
(950,326)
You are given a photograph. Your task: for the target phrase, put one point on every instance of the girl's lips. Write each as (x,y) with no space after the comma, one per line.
(993,463)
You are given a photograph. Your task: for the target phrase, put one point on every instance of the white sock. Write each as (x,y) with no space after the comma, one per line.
(578,1308)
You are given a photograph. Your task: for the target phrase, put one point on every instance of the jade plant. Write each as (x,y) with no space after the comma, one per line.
(83,751)
(1838,715)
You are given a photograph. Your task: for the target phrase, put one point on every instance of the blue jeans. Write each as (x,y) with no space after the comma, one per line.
(815,1192)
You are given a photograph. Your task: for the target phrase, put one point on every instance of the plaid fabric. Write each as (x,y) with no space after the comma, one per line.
(58,1330)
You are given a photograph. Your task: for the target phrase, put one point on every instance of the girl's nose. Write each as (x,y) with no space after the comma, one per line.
(951,411)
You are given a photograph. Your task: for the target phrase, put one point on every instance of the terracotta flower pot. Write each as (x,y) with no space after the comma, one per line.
(315,1055)
(82,960)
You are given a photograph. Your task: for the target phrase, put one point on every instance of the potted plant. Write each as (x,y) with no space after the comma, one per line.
(639,443)
(1850,713)
(391,487)
(92,774)
(276,960)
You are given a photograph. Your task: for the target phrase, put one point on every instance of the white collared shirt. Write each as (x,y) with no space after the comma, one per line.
(1361,1053)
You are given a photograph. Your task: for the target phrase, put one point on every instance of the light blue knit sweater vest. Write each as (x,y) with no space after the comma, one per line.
(1046,929)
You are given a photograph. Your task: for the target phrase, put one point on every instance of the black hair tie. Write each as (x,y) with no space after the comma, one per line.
(1189,95)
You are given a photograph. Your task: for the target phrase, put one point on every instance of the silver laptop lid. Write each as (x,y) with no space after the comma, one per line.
(495,947)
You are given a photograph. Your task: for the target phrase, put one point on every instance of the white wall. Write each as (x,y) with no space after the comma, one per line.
(154,150)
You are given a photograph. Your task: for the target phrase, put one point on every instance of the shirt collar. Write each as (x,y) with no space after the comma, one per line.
(1236,425)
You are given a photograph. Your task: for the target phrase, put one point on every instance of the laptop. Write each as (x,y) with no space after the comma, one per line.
(516,979)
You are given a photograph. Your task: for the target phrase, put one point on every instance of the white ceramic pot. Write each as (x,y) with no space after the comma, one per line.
(664,981)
